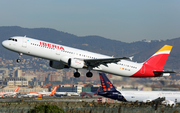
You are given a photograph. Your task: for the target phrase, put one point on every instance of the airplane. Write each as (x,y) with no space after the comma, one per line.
(59,94)
(40,94)
(61,57)
(3,94)
(164,97)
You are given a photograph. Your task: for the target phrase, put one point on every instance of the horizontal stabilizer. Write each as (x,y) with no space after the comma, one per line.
(161,72)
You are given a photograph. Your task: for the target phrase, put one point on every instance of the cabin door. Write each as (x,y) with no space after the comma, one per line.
(58,52)
(24,42)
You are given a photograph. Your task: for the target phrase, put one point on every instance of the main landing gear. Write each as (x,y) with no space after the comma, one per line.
(77,74)
(89,74)
(19,59)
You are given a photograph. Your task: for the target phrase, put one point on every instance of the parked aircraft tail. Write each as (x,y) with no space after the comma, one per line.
(158,60)
(109,91)
(16,90)
(106,83)
(53,91)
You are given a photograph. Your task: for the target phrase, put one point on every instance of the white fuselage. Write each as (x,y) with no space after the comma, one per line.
(8,93)
(36,94)
(67,93)
(47,50)
(148,96)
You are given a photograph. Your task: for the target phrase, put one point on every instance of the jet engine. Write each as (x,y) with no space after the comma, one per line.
(75,63)
(170,103)
(57,65)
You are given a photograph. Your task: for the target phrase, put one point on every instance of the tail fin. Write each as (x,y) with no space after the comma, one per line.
(158,60)
(53,91)
(106,83)
(16,90)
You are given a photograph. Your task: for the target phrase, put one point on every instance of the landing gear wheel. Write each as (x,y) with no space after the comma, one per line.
(89,74)
(18,60)
(76,74)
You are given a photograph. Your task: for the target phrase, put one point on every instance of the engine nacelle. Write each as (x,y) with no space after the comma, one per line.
(75,63)
(57,65)
(170,103)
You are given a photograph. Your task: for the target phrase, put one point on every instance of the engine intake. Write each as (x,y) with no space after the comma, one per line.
(57,65)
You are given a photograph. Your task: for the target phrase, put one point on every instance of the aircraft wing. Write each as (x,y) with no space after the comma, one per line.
(155,100)
(97,62)
(159,99)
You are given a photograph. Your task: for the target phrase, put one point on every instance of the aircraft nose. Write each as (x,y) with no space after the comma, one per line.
(5,43)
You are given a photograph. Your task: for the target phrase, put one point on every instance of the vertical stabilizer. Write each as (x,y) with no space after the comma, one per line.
(53,91)
(158,60)
(106,83)
(16,90)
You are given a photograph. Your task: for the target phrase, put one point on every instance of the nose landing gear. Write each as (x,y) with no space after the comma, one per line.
(19,59)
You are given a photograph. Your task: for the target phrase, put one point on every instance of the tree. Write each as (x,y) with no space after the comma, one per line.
(46,109)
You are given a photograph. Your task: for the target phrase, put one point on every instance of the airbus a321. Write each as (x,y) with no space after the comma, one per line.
(61,56)
(165,97)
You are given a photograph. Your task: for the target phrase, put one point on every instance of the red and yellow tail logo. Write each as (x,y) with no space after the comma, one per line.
(158,60)
(53,91)
(166,49)
(16,90)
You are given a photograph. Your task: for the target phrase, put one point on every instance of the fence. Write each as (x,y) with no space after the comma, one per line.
(88,107)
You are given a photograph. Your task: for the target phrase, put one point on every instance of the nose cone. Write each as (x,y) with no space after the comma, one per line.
(5,43)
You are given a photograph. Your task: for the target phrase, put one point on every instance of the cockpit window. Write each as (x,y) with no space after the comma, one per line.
(12,39)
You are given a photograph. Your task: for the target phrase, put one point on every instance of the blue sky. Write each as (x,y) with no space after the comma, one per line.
(124,20)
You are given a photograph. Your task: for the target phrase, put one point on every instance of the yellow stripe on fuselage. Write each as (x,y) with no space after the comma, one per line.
(165,48)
